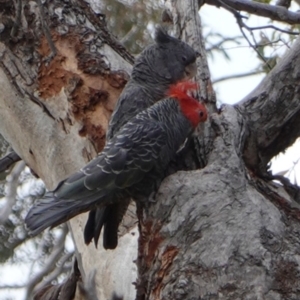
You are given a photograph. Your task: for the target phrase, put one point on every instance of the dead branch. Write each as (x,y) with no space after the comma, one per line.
(56,272)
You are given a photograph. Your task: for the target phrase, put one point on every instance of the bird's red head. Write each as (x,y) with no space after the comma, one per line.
(191,108)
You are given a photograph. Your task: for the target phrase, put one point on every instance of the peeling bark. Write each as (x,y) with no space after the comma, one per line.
(54,110)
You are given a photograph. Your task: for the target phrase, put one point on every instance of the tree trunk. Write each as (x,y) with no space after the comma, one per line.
(61,74)
(225,231)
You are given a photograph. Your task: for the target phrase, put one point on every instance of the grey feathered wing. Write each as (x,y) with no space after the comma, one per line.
(113,175)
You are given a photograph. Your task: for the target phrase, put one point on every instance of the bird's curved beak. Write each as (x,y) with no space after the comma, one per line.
(190,70)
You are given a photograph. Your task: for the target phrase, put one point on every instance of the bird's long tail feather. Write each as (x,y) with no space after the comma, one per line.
(52,211)
(94,224)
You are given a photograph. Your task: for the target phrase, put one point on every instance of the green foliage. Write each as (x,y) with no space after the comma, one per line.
(270,47)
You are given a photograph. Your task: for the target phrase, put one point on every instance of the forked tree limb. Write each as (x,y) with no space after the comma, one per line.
(272,112)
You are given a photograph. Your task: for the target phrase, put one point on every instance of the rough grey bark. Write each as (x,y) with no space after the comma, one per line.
(272,112)
(219,233)
(226,231)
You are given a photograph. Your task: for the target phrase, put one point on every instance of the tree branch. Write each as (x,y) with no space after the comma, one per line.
(11,191)
(65,290)
(235,76)
(219,44)
(271,27)
(50,264)
(253,46)
(276,13)
(56,272)
(272,112)
(8,160)
(12,286)
(242,25)
(100,24)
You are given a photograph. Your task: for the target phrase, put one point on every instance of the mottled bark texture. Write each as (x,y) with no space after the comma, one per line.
(61,73)
(225,231)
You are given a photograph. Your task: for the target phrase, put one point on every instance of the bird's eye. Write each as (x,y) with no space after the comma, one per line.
(201,114)
(184,58)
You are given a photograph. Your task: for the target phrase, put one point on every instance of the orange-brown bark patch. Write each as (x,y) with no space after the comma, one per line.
(286,274)
(118,79)
(150,241)
(91,87)
(52,78)
(95,133)
(56,73)
(86,100)
(88,106)
(167,259)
